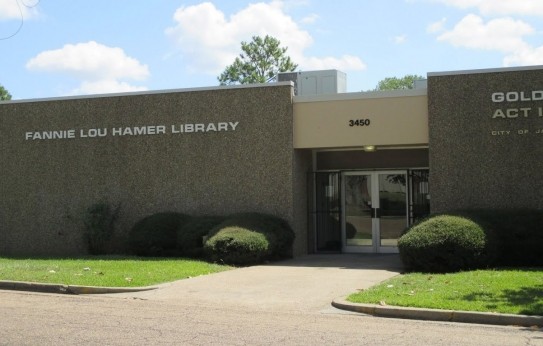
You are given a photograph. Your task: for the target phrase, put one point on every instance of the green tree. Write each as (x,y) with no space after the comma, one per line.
(262,59)
(394,83)
(4,94)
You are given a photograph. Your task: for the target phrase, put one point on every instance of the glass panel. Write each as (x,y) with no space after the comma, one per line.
(358,210)
(327,213)
(392,202)
(420,198)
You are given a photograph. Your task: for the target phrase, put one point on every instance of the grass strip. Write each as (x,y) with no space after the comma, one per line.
(106,271)
(501,291)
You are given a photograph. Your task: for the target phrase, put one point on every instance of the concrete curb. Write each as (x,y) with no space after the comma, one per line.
(439,315)
(67,289)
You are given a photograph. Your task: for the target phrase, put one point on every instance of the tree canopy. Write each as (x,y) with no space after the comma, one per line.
(4,94)
(394,83)
(260,62)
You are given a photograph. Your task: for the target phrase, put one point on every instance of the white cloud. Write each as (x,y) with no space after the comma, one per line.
(436,26)
(91,61)
(13,9)
(502,34)
(100,68)
(310,19)
(344,63)
(104,87)
(209,40)
(505,35)
(500,7)
(525,57)
(400,39)
(289,4)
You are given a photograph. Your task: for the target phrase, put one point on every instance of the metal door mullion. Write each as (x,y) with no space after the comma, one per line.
(378,247)
(342,211)
(375,204)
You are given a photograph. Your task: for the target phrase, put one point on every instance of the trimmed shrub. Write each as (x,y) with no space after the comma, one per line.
(445,243)
(99,224)
(156,235)
(275,231)
(236,245)
(190,235)
(519,234)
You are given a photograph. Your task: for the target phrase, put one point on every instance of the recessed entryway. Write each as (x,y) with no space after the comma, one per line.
(375,210)
(366,211)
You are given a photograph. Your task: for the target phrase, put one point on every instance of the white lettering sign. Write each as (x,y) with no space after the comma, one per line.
(50,135)
(139,130)
(516,96)
(511,113)
(513,98)
(148,130)
(210,127)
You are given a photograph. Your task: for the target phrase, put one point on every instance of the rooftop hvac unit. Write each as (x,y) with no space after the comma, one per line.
(420,84)
(289,77)
(316,82)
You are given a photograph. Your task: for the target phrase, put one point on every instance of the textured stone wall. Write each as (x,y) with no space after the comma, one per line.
(46,185)
(302,165)
(485,153)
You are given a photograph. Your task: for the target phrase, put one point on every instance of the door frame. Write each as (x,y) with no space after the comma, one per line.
(375,221)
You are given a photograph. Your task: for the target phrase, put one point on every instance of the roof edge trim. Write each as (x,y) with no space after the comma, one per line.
(152,92)
(485,70)
(361,95)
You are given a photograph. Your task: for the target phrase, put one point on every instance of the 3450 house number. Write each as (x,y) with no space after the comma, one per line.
(359,122)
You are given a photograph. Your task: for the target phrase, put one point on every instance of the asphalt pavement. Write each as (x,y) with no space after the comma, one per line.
(307,283)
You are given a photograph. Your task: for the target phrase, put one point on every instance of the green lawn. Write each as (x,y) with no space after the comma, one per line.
(503,291)
(104,271)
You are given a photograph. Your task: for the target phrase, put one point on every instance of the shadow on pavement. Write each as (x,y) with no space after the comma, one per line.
(345,261)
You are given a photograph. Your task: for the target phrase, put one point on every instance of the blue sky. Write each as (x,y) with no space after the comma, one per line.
(68,47)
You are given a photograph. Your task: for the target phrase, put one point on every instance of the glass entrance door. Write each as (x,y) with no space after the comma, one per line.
(374,210)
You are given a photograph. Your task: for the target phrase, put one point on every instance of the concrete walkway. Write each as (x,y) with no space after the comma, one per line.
(301,284)
(312,283)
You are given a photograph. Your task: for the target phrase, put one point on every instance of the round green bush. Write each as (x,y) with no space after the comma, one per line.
(276,232)
(517,234)
(444,243)
(156,235)
(236,245)
(190,235)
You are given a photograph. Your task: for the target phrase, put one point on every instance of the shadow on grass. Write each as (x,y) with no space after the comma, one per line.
(529,299)
(102,257)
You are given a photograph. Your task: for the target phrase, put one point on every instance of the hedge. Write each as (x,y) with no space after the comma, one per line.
(156,235)
(519,233)
(513,238)
(250,238)
(190,235)
(446,243)
(237,245)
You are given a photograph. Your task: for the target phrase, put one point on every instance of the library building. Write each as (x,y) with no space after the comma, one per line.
(348,171)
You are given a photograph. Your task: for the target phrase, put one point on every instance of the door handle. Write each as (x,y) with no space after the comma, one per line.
(375,213)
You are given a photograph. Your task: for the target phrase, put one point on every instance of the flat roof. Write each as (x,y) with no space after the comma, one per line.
(361,95)
(151,92)
(485,70)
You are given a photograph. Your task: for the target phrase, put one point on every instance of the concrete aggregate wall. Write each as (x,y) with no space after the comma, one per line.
(244,162)
(486,139)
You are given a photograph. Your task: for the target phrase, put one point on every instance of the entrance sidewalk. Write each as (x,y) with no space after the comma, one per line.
(310,284)
(305,283)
